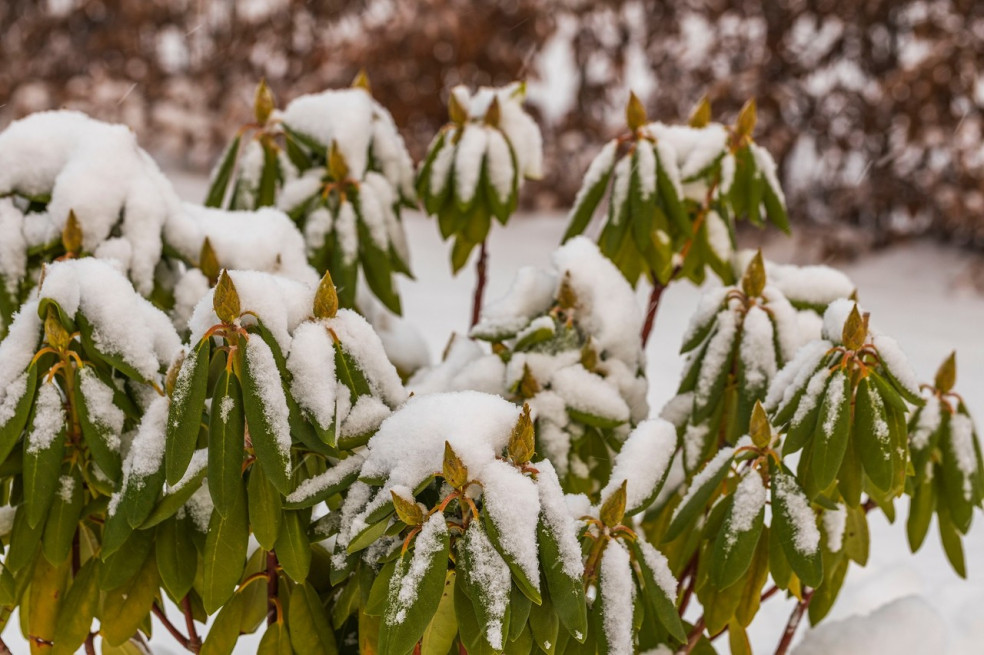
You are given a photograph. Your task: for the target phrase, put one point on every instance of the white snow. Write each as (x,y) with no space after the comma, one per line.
(512,502)
(643,461)
(103,412)
(589,393)
(720,460)
(16,351)
(617,596)
(757,348)
(695,148)
(147,450)
(749,500)
(66,487)
(795,374)
(403,586)
(896,362)
(557,516)
(468,157)
(928,422)
(806,536)
(266,376)
(834,523)
(717,355)
(49,418)
(311,364)
(962,445)
(491,574)
(332,476)
(814,285)
(658,564)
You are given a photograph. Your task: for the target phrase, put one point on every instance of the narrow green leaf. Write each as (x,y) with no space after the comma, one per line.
(293,548)
(442,629)
(184,417)
(225,554)
(72,627)
(265,440)
(265,508)
(225,443)
(310,631)
(63,517)
(222,174)
(125,608)
(177,559)
(832,434)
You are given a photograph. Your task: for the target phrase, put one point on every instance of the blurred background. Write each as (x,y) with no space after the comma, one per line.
(873,109)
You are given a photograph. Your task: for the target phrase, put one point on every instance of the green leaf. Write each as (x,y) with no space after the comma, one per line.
(265,442)
(957,484)
(173,500)
(177,559)
(567,591)
(707,482)
(802,424)
(310,631)
(799,542)
(125,608)
(11,431)
(293,548)
(758,573)
(378,598)
(588,198)
(522,581)
(661,604)
(404,623)
(544,625)
(225,554)
(41,472)
(442,629)
(734,547)
(226,430)
(275,641)
(920,514)
(950,537)
(376,267)
(125,562)
(267,194)
(63,517)
(224,631)
(475,558)
(832,433)
(47,591)
(265,508)
(222,175)
(871,435)
(97,435)
(72,627)
(184,416)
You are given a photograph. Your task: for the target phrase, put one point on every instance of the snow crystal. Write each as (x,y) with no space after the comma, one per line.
(301,189)
(757,349)
(716,355)
(311,363)
(791,377)
(340,117)
(694,441)
(557,516)
(749,499)
(262,240)
(404,584)
(658,564)
(806,536)
(766,166)
(710,303)
(834,318)
(362,344)
(266,376)
(962,445)
(491,574)
(896,362)
(329,478)
(789,331)
(364,416)
(606,305)
(441,165)
(199,460)
(147,450)
(620,188)
(617,597)
(66,487)
(834,400)
(49,418)
(646,169)
(347,233)
(598,169)
(375,202)
(720,460)
(511,501)
(103,412)
(13,245)
(468,157)
(199,508)
(695,148)
(643,460)
(817,286)
(16,351)
(123,323)
(928,422)
(96,170)
(531,293)
(834,524)
(811,396)
(718,235)
(589,393)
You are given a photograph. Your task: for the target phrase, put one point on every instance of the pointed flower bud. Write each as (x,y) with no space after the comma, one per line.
(855,330)
(521,442)
(701,115)
(456,112)
(225,300)
(589,356)
(72,234)
(54,332)
(566,297)
(171,378)
(208,262)
(753,281)
(407,510)
(946,377)
(361,81)
(759,429)
(494,113)
(635,112)
(528,385)
(263,103)
(454,470)
(337,165)
(745,124)
(326,298)
(613,510)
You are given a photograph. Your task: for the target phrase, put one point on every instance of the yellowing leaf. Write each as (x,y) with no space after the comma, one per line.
(326,298)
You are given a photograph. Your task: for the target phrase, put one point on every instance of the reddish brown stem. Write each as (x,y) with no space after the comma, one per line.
(688,591)
(481,271)
(654,297)
(694,635)
(162,617)
(4,650)
(272,587)
(90,644)
(793,622)
(194,641)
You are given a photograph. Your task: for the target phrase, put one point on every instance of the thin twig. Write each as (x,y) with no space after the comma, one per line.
(694,635)
(194,641)
(90,644)
(481,272)
(162,617)
(688,591)
(654,297)
(793,622)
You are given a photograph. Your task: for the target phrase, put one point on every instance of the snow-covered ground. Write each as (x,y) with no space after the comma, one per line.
(919,604)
